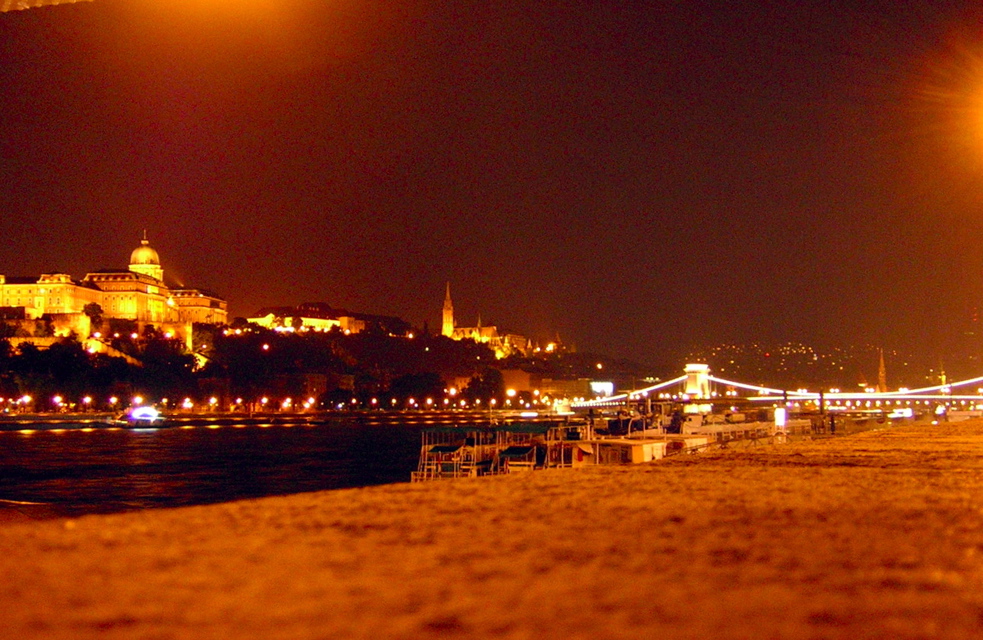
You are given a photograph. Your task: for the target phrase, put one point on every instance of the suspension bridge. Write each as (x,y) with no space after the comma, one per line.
(697,386)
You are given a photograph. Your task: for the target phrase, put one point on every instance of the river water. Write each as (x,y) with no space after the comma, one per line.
(51,470)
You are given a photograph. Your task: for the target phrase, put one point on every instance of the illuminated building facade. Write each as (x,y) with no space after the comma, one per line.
(137,293)
(503,344)
(320,316)
(17,5)
(290,318)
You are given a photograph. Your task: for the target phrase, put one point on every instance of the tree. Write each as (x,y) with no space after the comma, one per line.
(417,385)
(43,327)
(8,386)
(167,367)
(485,386)
(95,313)
(203,338)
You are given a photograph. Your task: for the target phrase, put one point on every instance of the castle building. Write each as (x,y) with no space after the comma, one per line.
(503,344)
(137,293)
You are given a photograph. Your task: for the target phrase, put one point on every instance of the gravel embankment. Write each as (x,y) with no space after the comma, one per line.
(876,535)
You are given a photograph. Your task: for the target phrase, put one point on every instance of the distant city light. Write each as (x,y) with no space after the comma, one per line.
(16,5)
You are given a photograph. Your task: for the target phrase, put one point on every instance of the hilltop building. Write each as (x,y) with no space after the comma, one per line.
(320,316)
(503,344)
(137,293)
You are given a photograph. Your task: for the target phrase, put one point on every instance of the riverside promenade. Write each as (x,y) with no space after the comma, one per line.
(874,535)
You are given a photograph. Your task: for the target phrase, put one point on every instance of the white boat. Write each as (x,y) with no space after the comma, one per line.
(144,417)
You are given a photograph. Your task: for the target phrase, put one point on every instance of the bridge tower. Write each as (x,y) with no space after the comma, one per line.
(881,375)
(698,380)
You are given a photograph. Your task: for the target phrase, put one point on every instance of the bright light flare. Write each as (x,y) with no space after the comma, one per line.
(943,112)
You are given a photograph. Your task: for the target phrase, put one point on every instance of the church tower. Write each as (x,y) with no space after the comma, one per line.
(448,325)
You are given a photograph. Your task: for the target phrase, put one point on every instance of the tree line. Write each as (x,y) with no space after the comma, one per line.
(244,362)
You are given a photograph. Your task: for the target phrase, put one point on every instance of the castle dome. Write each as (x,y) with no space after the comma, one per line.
(144,254)
(146,261)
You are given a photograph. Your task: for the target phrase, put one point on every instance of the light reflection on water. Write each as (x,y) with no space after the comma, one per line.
(76,469)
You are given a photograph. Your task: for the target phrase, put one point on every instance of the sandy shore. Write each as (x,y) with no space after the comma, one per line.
(877,535)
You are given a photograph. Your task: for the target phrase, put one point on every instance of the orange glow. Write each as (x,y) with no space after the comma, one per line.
(224,32)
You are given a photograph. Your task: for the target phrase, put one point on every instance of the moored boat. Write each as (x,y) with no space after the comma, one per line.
(478,450)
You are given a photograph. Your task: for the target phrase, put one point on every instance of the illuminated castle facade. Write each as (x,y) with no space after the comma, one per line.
(137,293)
(503,344)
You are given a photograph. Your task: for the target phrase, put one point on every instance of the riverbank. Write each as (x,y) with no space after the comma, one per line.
(878,534)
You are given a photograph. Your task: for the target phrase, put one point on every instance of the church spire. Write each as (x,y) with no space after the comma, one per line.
(447,329)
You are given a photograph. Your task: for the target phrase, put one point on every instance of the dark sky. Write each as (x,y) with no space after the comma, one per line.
(640,177)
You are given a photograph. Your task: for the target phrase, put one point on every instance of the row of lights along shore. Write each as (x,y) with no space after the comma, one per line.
(59,403)
(451,401)
(26,404)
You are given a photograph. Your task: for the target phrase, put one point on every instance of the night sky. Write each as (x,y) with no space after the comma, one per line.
(639,177)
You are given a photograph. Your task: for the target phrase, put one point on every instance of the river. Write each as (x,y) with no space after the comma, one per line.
(69,469)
